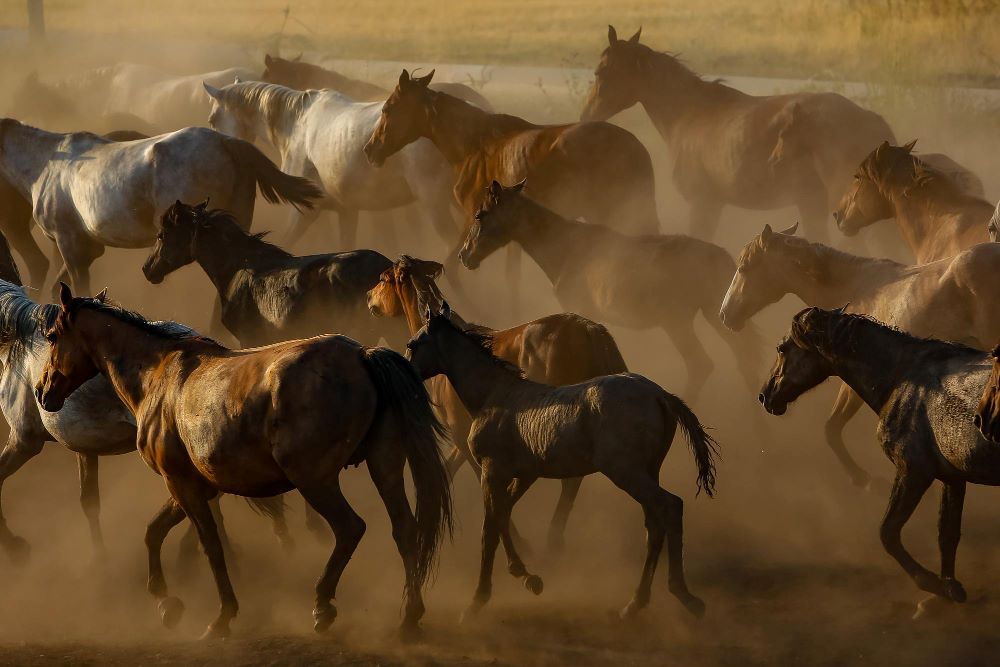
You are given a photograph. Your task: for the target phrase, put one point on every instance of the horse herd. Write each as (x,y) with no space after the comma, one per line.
(551,398)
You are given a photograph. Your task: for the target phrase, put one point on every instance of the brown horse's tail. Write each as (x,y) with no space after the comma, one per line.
(607,358)
(403,395)
(275,185)
(703,446)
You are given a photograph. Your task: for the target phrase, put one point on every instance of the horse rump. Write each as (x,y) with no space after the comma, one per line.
(275,185)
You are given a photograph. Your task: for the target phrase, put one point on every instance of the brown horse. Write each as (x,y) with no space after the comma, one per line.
(596,171)
(621,426)
(258,423)
(554,350)
(987,417)
(933,212)
(639,282)
(730,148)
(303,76)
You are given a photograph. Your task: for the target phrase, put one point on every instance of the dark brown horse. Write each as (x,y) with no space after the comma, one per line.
(258,423)
(303,76)
(554,350)
(934,213)
(621,426)
(730,148)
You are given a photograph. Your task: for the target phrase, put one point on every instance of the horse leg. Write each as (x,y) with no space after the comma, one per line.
(514,253)
(19,235)
(384,225)
(170,608)
(704,220)
(557,527)
(15,454)
(193,497)
(844,408)
(79,253)
(907,490)
(348,229)
(317,526)
(90,498)
(699,365)
(814,208)
(299,223)
(949,533)
(490,537)
(507,496)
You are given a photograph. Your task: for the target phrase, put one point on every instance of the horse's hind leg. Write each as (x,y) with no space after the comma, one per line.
(79,253)
(167,517)
(704,219)
(699,365)
(506,497)
(19,234)
(844,408)
(348,220)
(15,454)
(813,204)
(90,498)
(557,527)
(300,222)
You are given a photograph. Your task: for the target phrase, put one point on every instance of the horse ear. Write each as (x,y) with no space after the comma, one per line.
(519,186)
(612,35)
(237,79)
(297,58)
(427,313)
(634,39)
(425,81)
(65,295)
(996,352)
(496,189)
(404,78)
(791,230)
(268,60)
(102,295)
(212,91)
(908,147)
(842,309)
(203,205)
(445,310)
(766,234)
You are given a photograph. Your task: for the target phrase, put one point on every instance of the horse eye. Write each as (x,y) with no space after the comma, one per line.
(50,336)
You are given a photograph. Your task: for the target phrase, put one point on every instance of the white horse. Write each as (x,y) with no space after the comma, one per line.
(88,192)
(320,135)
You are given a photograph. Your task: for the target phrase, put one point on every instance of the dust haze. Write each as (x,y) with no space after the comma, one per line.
(787,557)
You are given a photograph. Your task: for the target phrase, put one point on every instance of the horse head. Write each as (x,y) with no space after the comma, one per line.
(405,117)
(69,364)
(491,229)
(755,284)
(618,78)
(799,366)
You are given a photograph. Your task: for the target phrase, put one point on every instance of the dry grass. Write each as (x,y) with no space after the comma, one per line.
(911,40)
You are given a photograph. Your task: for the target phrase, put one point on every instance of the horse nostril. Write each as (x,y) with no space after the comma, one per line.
(836,216)
(760,397)
(978,421)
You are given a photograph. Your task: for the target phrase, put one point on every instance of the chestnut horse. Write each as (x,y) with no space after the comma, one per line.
(596,171)
(555,350)
(987,418)
(934,214)
(925,394)
(258,423)
(304,76)
(730,148)
(621,426)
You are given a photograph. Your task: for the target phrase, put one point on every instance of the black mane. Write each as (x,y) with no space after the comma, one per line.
(484,339)
(166,329)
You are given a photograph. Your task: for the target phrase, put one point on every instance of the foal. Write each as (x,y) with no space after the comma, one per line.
(619,425)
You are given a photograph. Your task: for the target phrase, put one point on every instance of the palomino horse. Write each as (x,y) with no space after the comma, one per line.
(596,171)
(955,299)
(730,148)
(304,76)
(88,192)
(554,350)
(320,135)
(925,393)
(619,425)
(305,410)
(934,214)
(639,282)
(267,294)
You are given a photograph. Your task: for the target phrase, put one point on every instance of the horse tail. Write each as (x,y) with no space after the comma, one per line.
(606,357)
(402,393)
(275,185)
(703,446)
(272,508)
(8,267)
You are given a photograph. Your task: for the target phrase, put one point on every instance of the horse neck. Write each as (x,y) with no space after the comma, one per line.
(223,253)
(472,371)
(550,239)
(407,295)
(919,212)
(873,363)
(276,119)
(25,152)
(825,277)
(458,129)
(353,88)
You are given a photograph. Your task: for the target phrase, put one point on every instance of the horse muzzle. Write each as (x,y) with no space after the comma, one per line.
(468,261)
(772,404)
(731,321)
(48,402)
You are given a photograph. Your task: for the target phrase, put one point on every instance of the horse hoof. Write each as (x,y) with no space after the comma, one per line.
(630,611)
(930,606)
(18,550)
(955,590)
(171,610)
(534,584)
(323,618)
(469,614)
(694,605)
(216,631)
(556,545)
(410,633)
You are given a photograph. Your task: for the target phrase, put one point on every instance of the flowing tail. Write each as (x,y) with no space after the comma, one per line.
(275,185)
(402,393)
(607,357)
(703,446)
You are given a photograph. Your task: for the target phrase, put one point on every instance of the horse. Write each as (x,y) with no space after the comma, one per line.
(994,225)
(320,135)
(925,393)
(951,299)
(267,294)
(987,417)
(556,350)
(935,216)
(303,76)
(88,192)
(304,410)
(730,148)
(597,171)
(619,425)
(639,282)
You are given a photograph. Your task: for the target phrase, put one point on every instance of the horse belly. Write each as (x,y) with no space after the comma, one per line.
(113,200)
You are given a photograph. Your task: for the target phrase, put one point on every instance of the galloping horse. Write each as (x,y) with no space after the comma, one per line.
(320,135)
(640,282)
(730,148)
(619,425)
(303,76)
(267,294)
(597,171)
(88,192)
(953,299)
(554,350)
(258,423)
(936,217)
(925,393)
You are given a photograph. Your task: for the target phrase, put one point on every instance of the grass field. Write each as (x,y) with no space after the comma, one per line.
(952,41)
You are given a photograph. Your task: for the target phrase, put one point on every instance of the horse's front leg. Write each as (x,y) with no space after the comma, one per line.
(90,498)
(557,527)
(171,609)
(844,408)
(16,453)
(494,492)
(949,533)
(508,497)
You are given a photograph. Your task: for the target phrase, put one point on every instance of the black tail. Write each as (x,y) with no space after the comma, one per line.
(402,393)
(275,185)
(604,351)
(703,446)
(272,507)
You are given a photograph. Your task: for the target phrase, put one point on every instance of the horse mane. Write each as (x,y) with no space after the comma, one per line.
(900,168)
(166,329)
(497,123)
(823,253)
(21,322)
(226,229)
(671,65)
(272,99)
(484,340)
